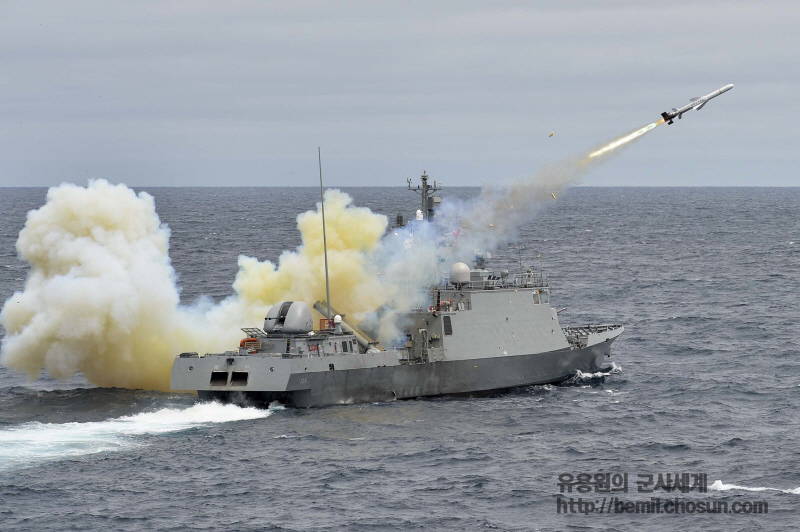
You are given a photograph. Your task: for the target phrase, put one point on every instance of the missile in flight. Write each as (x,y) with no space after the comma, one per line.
(696,103)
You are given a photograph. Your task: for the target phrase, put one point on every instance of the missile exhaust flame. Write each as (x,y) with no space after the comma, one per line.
(624,139)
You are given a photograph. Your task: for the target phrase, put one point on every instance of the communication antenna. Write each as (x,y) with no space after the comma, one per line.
(324,237)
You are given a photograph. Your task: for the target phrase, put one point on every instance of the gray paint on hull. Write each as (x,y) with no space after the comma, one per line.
(387,383)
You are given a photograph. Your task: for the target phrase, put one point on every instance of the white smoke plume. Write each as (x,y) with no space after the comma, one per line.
(101,297)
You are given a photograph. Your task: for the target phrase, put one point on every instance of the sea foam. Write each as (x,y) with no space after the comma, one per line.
(613,370)
(29,443)
(718,485)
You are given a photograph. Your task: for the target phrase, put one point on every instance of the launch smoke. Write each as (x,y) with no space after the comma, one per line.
(101,297)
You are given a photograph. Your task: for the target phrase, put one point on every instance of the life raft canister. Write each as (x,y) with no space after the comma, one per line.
(246,341)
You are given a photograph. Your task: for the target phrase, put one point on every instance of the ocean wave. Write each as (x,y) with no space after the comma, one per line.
(29,443)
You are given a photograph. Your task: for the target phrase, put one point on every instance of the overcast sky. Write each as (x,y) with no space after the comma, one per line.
(242,93)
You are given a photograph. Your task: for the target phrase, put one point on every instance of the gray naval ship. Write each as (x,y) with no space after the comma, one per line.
(479,331)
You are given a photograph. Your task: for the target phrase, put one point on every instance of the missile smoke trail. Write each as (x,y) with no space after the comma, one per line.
(101,297)
(494,217)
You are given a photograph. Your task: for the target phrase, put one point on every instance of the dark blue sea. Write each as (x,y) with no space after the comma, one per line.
(705,381)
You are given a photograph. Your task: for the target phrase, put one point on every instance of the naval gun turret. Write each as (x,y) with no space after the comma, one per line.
(289,317)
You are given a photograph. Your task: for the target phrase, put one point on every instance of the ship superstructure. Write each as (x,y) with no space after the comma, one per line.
(478,331)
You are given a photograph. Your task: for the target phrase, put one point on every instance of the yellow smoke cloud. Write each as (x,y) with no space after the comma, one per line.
(101,296)
(353,234)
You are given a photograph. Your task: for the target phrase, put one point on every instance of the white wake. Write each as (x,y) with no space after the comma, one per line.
(29,443)
(719,486)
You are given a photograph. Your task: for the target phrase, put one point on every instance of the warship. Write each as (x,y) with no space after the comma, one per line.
(478,331)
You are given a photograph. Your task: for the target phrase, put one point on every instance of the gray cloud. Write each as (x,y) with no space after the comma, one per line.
(192,93)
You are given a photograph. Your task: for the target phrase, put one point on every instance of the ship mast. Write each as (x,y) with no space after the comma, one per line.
(324,237)
(429,201)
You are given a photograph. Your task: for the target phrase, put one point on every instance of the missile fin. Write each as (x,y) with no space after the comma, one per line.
(700,106)
(694,99)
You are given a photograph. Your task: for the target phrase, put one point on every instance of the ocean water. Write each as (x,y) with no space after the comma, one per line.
(705,380)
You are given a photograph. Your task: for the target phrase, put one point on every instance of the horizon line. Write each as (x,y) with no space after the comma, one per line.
(398,186)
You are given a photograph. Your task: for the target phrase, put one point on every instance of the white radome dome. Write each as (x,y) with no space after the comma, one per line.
(459,273)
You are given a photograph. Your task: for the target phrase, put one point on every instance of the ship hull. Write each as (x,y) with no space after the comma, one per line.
(391,382)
